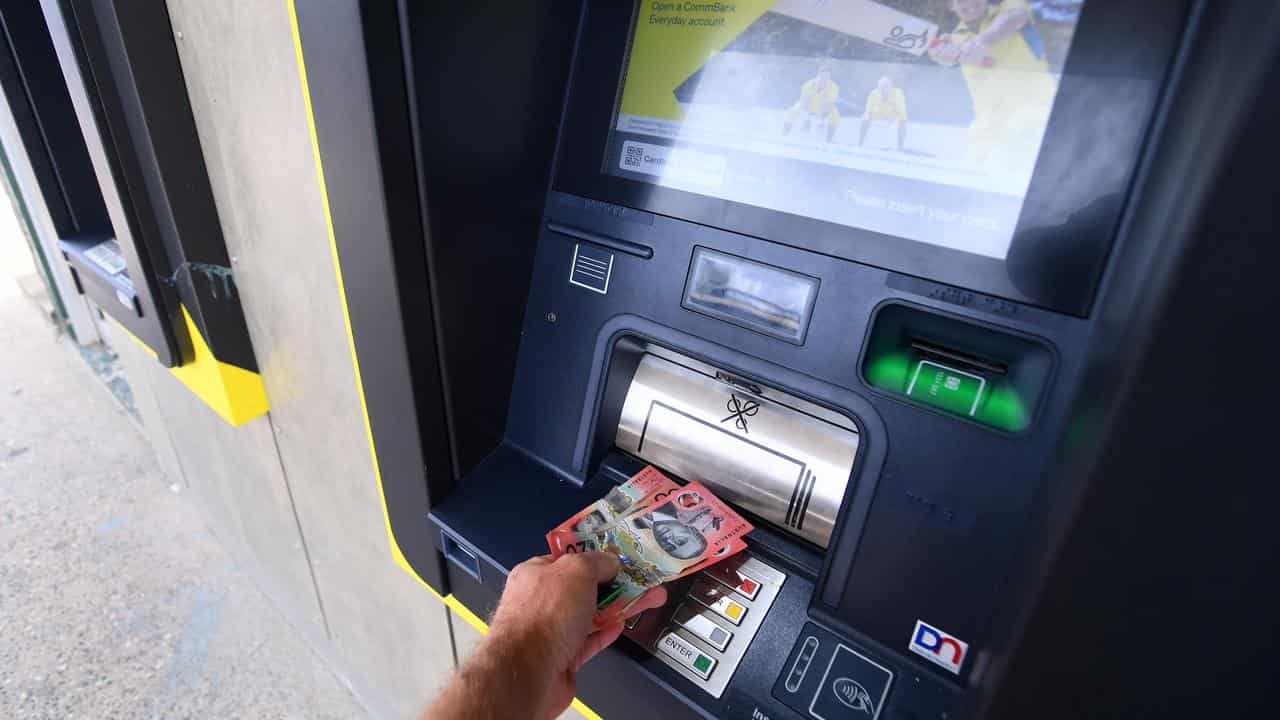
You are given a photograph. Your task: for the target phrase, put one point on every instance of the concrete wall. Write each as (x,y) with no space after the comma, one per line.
(291,493)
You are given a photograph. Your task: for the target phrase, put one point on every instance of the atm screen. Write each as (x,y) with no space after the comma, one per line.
(919,119)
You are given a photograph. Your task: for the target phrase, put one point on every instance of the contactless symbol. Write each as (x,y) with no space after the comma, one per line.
(849,692)
(854,686)
(739,412)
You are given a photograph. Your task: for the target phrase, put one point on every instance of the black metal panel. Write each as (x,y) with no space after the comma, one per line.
(393,120)
(158,321)
(37,96)
(1153,594)
(487,84)
(133,58)
(372,201)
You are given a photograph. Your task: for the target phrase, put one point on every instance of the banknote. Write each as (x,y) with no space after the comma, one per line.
(619,501)
(668,534)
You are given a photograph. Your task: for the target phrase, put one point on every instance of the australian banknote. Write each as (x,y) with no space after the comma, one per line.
(667,534)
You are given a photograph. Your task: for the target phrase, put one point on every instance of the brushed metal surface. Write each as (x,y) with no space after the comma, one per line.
(779,457)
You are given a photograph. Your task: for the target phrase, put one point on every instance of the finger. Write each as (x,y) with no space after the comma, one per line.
(599,565)
(597,641)
(653,598)
(530,563)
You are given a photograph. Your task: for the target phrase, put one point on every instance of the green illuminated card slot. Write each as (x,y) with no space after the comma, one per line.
(985,375)
(945,387)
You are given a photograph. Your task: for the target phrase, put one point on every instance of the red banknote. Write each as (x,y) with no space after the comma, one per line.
(667,533)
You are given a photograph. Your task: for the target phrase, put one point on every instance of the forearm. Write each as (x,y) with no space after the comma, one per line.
(1004,25)
(503,679)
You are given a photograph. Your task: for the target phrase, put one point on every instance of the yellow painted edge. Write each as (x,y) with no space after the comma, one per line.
(449,600)
(465,613)
(587,712)
(235,394)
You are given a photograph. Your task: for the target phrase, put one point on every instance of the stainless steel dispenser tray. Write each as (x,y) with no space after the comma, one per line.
(780,457)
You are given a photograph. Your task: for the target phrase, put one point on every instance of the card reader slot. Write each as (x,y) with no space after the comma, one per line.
(988,375)
(956,357)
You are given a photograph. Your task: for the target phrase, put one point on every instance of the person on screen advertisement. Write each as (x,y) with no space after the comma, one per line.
(1000,53)
(818,97)
(886,104)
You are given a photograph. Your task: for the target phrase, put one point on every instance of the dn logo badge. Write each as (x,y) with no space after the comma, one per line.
(938,647)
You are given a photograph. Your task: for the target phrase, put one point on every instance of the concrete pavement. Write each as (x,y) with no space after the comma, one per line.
(116,600)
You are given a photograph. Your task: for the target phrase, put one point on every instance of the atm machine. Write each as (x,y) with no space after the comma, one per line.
(935,293)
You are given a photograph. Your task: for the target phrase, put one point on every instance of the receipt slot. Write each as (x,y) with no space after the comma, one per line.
(802,253)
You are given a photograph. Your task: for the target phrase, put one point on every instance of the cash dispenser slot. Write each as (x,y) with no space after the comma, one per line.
(779,457)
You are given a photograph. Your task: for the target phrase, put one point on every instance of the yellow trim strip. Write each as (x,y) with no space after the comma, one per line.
(449,600)
(587,712)
(465,613)
(235,394)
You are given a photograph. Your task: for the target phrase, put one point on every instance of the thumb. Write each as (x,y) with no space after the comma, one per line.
(600,566)
(597,641)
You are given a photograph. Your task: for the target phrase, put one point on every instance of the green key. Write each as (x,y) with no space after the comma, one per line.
(947,388)
(702,664)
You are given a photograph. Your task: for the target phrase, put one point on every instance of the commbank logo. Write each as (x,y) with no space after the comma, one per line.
(938,647)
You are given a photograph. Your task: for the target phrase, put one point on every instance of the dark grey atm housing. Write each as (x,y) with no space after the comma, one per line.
(506,374)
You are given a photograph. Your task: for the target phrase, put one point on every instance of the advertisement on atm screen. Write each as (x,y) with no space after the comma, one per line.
(920,119)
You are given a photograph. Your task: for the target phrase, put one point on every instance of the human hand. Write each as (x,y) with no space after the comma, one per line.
(975,52)
(548,613)
(945,50)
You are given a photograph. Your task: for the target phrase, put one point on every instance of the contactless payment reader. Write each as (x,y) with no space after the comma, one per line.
(869,270)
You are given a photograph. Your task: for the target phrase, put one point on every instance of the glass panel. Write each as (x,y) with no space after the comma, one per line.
(766,299)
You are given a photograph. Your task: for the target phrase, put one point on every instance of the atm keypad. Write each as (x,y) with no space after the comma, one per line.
(710,620)
(734,579)
(700,624)
(689,656)
(716,598)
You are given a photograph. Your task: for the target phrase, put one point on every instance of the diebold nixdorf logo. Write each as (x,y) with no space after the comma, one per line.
(938,647)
